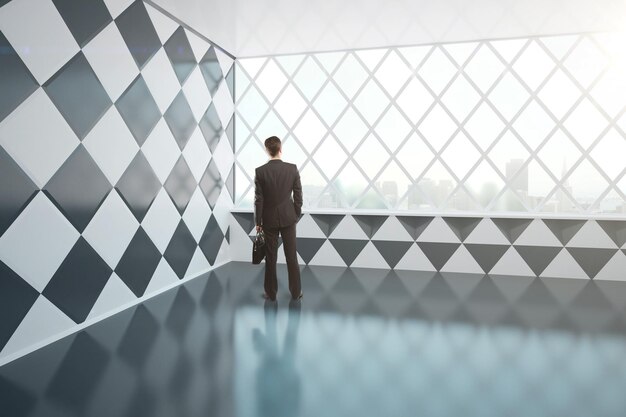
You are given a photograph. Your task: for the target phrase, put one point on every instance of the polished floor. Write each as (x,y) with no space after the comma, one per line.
(362,342)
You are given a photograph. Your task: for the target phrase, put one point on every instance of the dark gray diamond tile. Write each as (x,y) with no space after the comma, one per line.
(211,70)
(16,81)
(138,33)
(512,228)
(138,109)
(348,249)
(370,224)
(78,94)
(85,18)
(230,185)
(138,186)
(415,225)
(462,226)
(211,127)
(538,257)
(592,260)
(564,229)
(230,132)
(16,299)
(138,263)
(16,189)
(180,250)
(180,185)
(392,251)
(308,247)
(211,240)
(245,220)
(327,222)
(486,255)
(230,82)
(78,188)
(211,184)
(180,54)
(77,284)
(179,118)
(438,253)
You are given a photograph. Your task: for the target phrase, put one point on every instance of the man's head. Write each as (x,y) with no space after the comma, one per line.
(273,146)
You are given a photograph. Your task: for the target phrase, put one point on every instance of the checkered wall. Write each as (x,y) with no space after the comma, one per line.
(550,248)
(116,153)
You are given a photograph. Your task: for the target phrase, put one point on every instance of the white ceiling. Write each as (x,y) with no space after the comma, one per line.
(269,27)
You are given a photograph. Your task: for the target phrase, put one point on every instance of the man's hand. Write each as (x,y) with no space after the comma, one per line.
(259,228)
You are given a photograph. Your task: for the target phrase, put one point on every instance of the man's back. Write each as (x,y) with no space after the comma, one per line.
(274,183)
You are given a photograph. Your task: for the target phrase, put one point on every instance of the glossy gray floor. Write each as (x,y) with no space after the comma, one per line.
(362,342)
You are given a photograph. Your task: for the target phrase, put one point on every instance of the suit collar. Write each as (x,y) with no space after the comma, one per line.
(274,160)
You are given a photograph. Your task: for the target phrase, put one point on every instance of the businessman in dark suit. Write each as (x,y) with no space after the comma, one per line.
(276,212)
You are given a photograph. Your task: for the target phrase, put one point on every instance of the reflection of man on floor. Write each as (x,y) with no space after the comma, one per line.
(277,381)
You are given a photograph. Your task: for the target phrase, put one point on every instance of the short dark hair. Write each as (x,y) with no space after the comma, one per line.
(273,145)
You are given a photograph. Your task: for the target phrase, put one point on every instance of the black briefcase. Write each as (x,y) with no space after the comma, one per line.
(258,248)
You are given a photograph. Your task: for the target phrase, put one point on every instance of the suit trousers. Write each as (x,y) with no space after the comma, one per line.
(288,234)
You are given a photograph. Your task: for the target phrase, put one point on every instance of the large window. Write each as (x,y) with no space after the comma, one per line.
(519,125)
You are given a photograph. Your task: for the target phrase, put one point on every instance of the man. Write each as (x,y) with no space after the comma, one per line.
(275,212)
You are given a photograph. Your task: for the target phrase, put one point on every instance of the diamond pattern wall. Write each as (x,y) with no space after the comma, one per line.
(517,125)
(554,248)
(113,160)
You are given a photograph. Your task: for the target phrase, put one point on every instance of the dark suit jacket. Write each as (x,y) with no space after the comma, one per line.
(273,184)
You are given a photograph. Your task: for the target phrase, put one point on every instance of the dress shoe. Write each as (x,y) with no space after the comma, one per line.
(267,297)
(298,297)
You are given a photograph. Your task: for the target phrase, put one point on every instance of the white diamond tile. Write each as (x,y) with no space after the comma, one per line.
(111,229)
(163,25)
(221,211)
(116,7)
(307,227)
(111,60)
(392,229)
(223,156)
(161,80)
(197,214)
(44,42)
(486,232)
(198,45)
(415,260)
(40,148)
(197,154)
(564,266)
(438,231)
(537,234)
(199,264)
(591,235)
(511,263)
(161,150)
(225,61)
(114,295)
(348,228)
(197,93)
(369,257)
(161,220)
(164,276)
(223,104)
(327,255)
(43,321)
(462,261)
(37,242)
(111,145)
